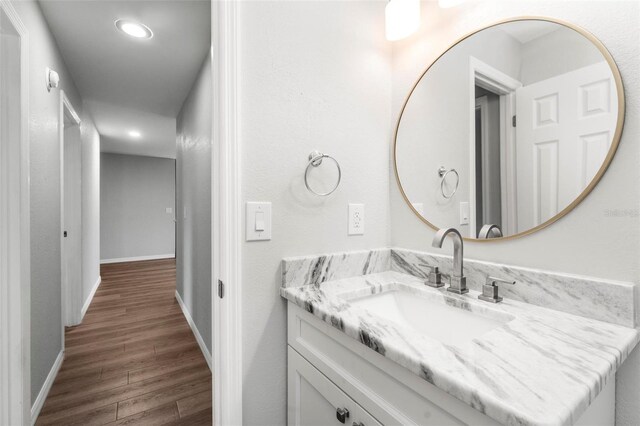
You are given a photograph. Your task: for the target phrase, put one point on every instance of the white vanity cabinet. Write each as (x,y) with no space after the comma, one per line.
(315,401)
(329,371)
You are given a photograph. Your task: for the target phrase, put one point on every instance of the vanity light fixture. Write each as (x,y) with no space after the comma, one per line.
(402,18)
(135,134)
(134,29)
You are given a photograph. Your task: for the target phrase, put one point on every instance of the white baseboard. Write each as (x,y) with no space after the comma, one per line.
(192,324)
(46,387)
(138,258)
(90,298)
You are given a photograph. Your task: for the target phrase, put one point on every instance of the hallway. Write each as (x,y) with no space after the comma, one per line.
(134,359)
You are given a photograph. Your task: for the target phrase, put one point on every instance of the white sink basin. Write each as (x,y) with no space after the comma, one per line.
(434,317)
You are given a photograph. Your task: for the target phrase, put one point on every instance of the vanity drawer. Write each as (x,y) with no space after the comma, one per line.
(389,392)
(315,401)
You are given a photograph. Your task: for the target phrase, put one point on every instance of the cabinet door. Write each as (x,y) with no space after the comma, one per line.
(315,401)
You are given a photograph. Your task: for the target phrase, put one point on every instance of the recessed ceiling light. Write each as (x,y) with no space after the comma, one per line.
(133,29)
(134,134)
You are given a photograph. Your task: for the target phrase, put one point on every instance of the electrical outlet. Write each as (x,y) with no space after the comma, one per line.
(356,219)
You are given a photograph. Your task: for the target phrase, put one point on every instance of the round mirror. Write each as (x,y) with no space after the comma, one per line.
(509,129)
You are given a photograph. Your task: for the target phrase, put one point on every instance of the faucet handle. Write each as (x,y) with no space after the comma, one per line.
(492,281)
(435,278)
(490,290)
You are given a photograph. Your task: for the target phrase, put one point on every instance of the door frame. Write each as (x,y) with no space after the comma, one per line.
(496,81)
(482,104)
(15,276)
(226,218)
(71,297)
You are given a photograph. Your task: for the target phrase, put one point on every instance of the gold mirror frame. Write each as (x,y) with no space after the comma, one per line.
(607,161)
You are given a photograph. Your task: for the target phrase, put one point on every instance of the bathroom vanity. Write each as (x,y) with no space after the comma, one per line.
(384,348)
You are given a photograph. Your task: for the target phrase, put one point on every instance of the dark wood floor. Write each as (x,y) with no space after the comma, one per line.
(134,359)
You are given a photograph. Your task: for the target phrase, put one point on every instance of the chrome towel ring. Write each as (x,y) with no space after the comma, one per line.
(315,160)
(442,172)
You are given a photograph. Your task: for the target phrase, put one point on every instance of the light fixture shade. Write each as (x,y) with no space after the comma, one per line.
(402,18)
(450,3)
(134,29)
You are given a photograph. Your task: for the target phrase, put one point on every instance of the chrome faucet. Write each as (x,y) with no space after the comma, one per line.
(490,231)
(457,282)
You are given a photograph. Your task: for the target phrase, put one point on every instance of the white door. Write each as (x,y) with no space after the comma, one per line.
(71,219)
(563,133)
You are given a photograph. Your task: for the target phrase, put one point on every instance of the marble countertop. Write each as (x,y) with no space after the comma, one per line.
(543,367)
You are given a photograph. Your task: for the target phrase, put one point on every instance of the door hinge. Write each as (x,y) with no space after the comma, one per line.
(220,289)
(513,121)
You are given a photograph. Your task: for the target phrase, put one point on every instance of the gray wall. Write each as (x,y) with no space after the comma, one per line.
(193,168)
(46,320)
(314,75)
(588,241)
(134,193)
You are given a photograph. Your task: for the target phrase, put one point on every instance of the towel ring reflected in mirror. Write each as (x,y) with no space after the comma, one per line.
(315,160)
(442,172)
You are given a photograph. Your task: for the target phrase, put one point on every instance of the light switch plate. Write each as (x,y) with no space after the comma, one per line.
(464,213)
(356,219)
(258,221)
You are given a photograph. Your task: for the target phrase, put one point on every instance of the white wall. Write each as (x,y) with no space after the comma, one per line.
(314,75)
(193,168)
(590,240)
(90,204)
(134,193)
(46,339)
